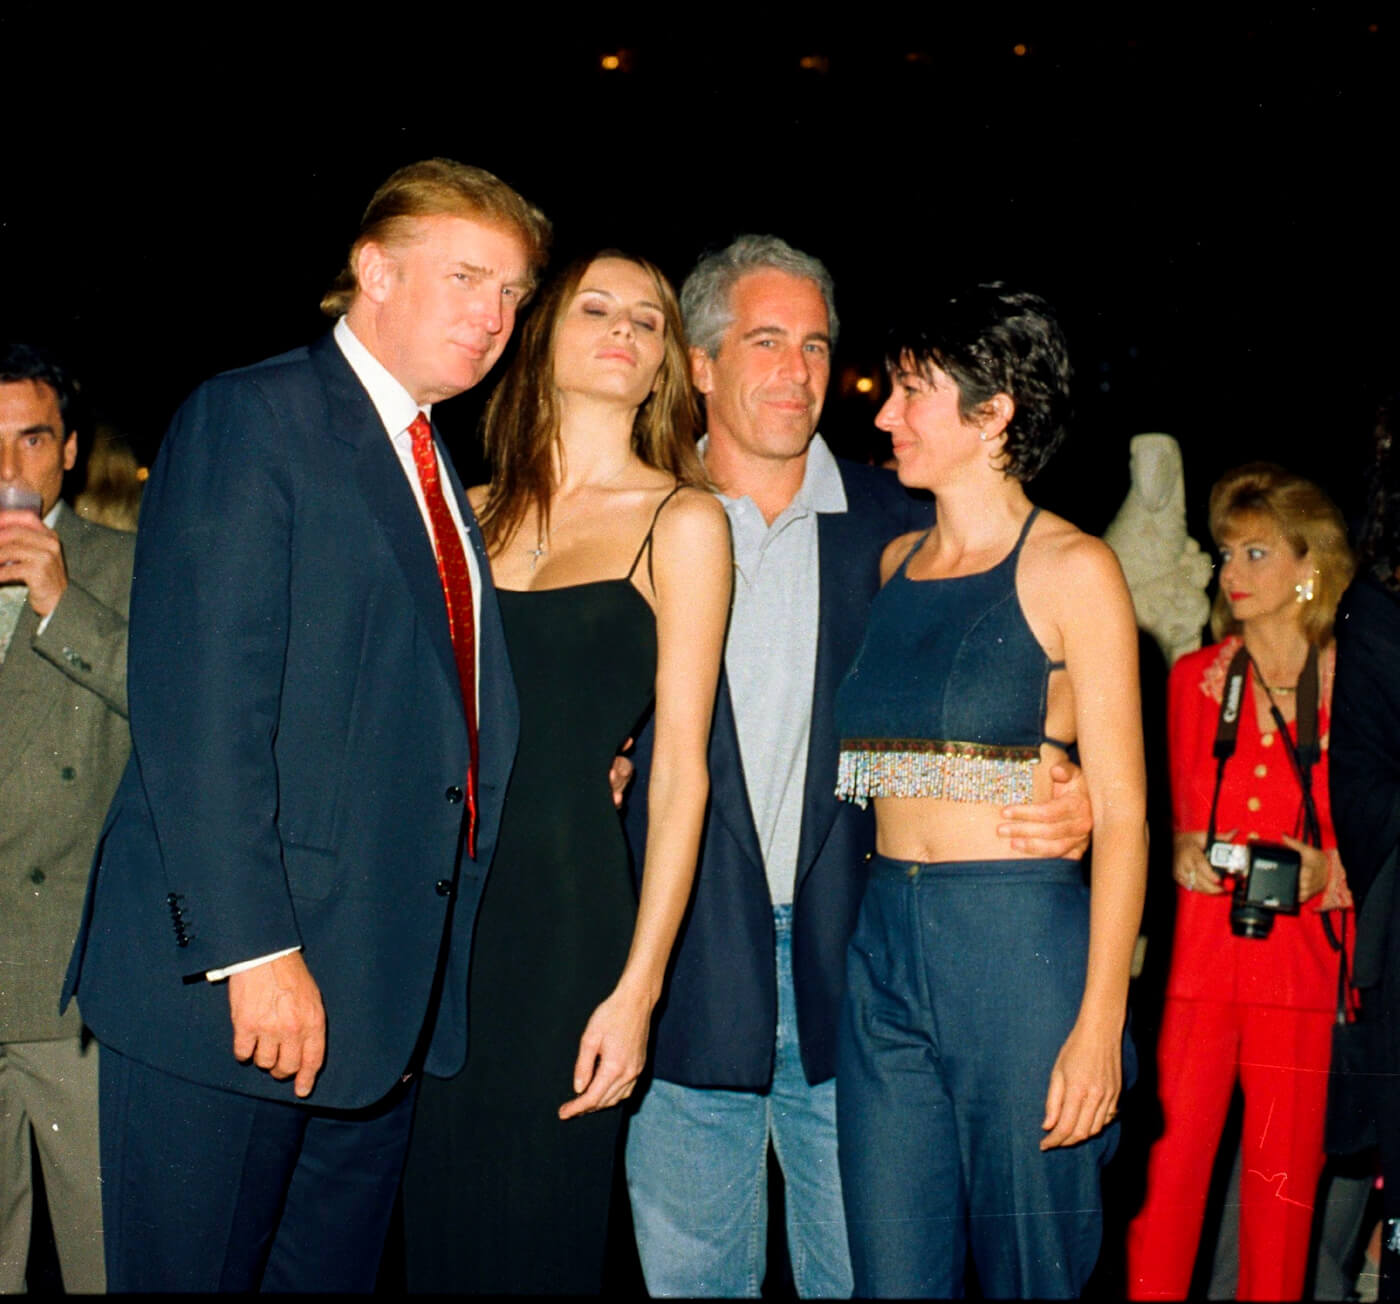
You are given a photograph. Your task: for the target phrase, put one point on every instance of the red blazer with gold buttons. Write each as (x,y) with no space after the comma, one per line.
(1260,800)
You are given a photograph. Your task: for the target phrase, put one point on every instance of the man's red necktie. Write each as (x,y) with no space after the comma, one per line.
(457,590)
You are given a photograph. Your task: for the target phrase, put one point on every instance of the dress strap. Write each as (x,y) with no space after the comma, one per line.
(909,556)
(646,543)
(1025,530)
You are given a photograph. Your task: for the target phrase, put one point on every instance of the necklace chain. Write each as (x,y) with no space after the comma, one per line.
(541,548)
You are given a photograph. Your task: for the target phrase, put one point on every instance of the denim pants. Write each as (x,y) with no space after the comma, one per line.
(697,1165)
(963,980)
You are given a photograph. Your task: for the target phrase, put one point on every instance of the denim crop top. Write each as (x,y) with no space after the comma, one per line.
(946,697)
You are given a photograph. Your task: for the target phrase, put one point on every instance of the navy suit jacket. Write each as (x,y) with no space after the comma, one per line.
(298,744)
(718,1017)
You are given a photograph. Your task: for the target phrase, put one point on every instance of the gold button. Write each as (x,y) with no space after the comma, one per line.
(913,871)
(1260,771)
(1253,803)
(1267,739)
(1251,837)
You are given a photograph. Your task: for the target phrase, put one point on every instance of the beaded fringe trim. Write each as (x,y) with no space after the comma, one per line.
(922,767)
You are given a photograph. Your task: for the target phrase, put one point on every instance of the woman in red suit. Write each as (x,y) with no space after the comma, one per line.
(1259,1010)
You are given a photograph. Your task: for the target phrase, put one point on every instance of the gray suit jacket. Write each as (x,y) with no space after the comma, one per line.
(63,745)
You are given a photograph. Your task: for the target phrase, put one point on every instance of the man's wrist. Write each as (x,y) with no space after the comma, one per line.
(218,975)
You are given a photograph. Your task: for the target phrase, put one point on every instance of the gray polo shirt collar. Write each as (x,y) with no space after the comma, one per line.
(821,491)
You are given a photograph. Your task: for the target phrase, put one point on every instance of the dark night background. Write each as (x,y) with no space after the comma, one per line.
(1201,192)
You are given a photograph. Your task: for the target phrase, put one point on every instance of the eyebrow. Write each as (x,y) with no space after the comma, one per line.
(39,428)
(757,331)
(461,265)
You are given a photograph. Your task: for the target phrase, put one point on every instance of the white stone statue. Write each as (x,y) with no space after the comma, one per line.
(1166,570)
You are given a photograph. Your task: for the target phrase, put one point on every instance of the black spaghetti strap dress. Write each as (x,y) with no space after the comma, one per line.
(499,1195)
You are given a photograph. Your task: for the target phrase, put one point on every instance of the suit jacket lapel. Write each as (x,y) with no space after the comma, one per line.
(498,712)
(379,475)
(25,700)
(845,584)
(729,793)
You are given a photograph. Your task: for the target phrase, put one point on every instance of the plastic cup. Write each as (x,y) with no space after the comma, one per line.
(16,498)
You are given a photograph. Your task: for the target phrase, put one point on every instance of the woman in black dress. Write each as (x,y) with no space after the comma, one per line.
(613,570)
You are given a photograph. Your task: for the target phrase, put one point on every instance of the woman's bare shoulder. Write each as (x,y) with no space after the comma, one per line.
(896,550)
(1055,546)
(692,512)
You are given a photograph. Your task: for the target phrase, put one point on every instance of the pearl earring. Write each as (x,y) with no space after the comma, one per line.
(982,435)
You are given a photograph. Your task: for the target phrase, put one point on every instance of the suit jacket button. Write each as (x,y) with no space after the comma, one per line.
(444,887)
(453,794)
(68,774)
(36,875)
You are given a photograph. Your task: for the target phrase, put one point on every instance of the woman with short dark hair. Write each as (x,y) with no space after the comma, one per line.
(981,1053)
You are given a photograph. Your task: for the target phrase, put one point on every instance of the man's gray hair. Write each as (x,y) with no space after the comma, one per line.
(705,296)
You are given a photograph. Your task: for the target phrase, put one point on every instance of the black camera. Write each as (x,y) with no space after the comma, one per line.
(1266,883)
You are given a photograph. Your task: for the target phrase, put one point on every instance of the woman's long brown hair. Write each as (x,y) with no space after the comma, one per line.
(521,424)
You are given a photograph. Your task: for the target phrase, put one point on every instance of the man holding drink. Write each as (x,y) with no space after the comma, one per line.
(63,635)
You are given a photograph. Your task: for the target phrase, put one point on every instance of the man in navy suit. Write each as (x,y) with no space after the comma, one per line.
(323,723)
(744,1050)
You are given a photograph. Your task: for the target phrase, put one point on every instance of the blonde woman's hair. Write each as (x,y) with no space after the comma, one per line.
(1310,523)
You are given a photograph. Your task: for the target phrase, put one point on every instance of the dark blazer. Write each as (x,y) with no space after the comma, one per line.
(63,703)
(1364,753)
(719,1014)
(299,745)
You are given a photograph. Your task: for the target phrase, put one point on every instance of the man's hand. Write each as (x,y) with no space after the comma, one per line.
(1056,828)
(621,774)
(278,1020)
(31,554)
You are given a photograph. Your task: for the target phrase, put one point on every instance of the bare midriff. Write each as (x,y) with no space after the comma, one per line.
(933,829)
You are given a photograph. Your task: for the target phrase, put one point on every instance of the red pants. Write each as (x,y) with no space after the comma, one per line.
(1281,1056)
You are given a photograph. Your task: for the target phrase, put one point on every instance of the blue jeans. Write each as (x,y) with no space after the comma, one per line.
(697,1166)
(962,982)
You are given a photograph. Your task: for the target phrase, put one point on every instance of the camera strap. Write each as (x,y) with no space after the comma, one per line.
(1303,755)
(1227,728)
(1306,752)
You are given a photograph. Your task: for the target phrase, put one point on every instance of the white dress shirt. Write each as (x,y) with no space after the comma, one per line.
(397,410)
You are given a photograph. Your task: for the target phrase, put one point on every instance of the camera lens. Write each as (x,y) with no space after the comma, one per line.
(1251,921)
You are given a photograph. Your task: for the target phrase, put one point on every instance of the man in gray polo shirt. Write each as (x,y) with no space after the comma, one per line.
(744,1052)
